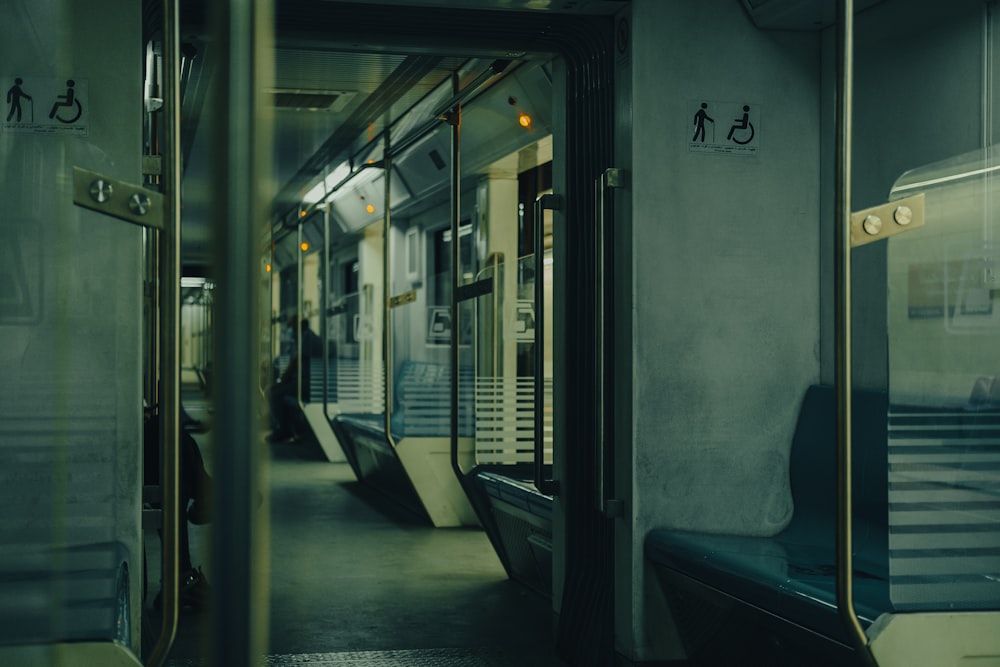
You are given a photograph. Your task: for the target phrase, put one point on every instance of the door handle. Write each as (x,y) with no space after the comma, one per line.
(549,487)
(610,179)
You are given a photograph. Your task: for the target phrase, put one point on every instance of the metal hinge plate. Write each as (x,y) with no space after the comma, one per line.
(126,201)
(403,299)
(881,222)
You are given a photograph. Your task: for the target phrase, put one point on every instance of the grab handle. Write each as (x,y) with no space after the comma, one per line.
(170,305)
(611,178)
(549,487)
(386,298)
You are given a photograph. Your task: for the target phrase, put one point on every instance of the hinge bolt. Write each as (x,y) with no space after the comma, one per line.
(872,225)
(138,203)
(100,191)
(903,215)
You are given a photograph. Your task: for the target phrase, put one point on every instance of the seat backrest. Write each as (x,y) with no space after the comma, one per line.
(813,468)
(422,382)
(423,399)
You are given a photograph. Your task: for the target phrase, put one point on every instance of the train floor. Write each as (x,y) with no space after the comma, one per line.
(356,580)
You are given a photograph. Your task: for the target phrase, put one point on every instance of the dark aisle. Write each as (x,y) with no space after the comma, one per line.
(353,572)
(356,580)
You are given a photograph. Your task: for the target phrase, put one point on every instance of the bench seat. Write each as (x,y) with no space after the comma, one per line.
(423,404)
(792,575)
(794,580)
(371,423)
(519,493)
(518,520)
(79,593)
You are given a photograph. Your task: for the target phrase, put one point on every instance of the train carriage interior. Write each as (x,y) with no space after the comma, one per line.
(481,333)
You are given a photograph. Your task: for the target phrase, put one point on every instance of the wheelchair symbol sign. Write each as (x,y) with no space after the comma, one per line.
(728,128)
(438,324)
(45,105)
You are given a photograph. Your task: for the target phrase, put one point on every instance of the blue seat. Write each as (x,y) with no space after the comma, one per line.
(371,425)
(793,574)
(85,597)
(421,409)
(422,403)
(521,494)
(315,393)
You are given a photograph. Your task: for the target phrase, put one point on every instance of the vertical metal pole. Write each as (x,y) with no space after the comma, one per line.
(455,119)
(499,296)
(150,287)
(599,324)
(987,83)
(241,160)
(200,360)
(324,306)
(610,178)
(300,273)
(539,353)
(206,307)
(169,286)
(199,328)
(206,342)
(265,382)
(386,294)
(987,109)
(553,202)
(842,329)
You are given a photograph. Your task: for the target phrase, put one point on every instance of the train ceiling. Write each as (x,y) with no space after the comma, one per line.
(797,14)
(334,88)
(337,83)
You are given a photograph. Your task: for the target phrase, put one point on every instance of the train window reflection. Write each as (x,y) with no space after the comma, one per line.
(943,361)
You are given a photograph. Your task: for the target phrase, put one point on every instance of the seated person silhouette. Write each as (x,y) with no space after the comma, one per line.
(283,395)
(192,425)
(195,506)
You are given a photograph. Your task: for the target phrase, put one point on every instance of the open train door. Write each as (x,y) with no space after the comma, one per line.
(583,550)
(583,561)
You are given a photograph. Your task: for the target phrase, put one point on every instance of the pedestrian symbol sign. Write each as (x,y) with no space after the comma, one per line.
(45,105)
(730,128)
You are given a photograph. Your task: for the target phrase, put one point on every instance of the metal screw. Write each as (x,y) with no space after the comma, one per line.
(872,225)
(138,203)
(903,215)
(100,191)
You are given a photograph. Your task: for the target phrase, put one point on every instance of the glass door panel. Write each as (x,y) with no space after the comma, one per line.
(284,314)
(353,347)
(944,389)
(505,363)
